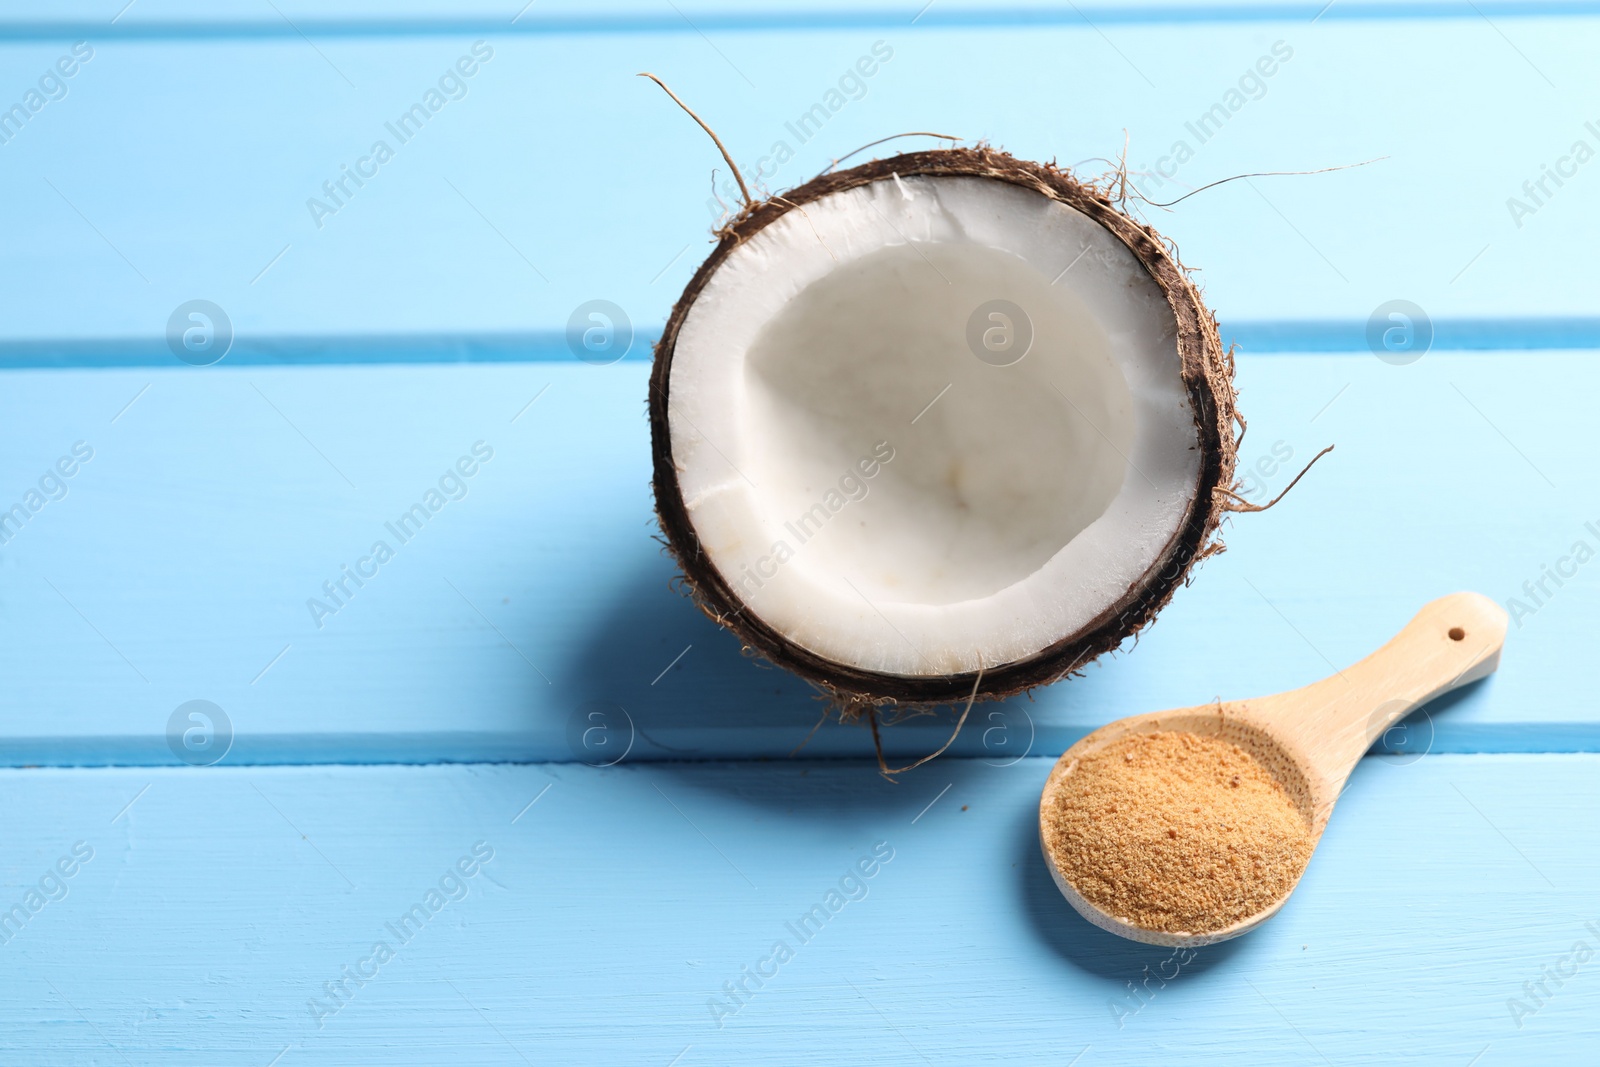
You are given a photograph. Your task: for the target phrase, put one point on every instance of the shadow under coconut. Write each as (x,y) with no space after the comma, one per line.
(843,793)
(686,686)
(691,693)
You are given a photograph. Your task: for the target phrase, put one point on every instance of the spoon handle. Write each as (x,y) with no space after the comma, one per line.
(1452,641)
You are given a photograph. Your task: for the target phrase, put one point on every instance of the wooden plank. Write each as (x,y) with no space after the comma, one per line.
(180,564)
(218,903)
(560,177)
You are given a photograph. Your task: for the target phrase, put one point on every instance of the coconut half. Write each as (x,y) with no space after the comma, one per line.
(940,422)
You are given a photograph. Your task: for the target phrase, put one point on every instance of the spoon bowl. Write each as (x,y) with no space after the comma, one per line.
(1311,738)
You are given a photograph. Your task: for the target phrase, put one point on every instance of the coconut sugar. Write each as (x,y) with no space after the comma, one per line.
(1176,832)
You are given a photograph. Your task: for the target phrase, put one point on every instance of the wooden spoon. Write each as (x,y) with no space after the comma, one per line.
(1311,738)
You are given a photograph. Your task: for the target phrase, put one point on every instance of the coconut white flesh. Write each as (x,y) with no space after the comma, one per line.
(877,493)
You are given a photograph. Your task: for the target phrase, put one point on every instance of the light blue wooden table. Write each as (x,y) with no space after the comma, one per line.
(407,854)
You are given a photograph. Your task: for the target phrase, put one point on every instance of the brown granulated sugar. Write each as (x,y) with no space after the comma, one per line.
(1176,832)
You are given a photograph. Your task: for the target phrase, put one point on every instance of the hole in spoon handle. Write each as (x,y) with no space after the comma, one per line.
(1451,642)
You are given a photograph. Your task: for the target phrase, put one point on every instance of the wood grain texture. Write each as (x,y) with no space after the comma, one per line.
(616,907)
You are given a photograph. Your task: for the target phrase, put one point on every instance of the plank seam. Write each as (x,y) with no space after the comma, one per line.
(1287,336)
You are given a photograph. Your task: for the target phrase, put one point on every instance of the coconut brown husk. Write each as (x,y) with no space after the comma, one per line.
(1207,373)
